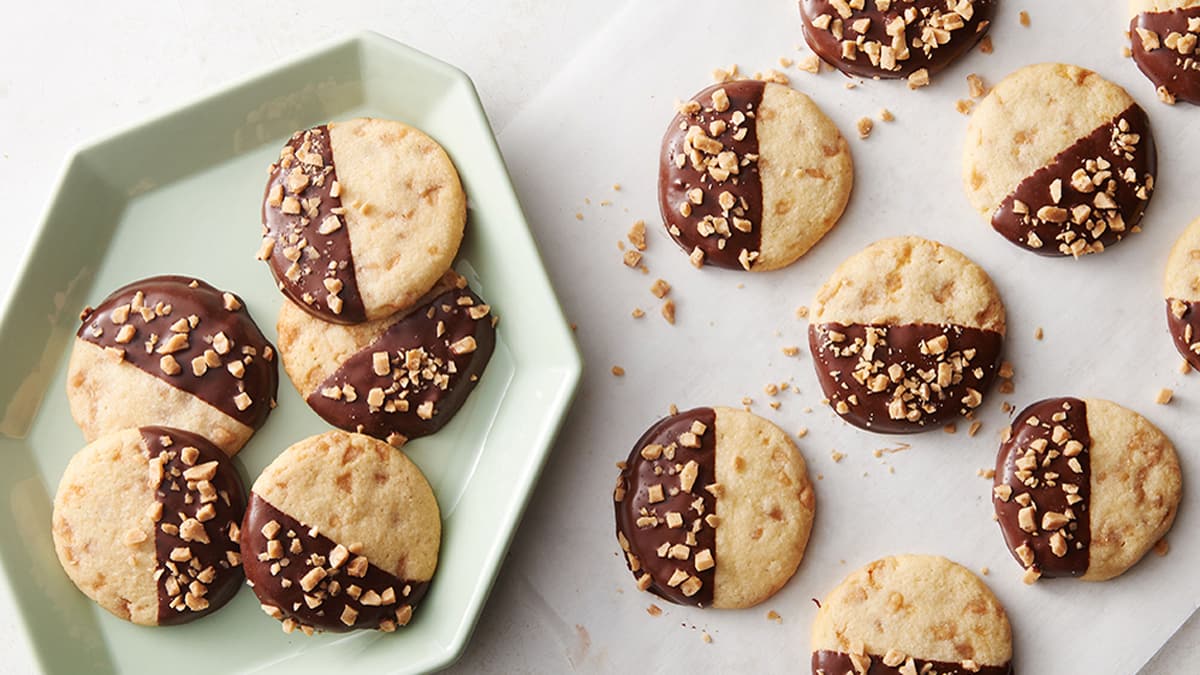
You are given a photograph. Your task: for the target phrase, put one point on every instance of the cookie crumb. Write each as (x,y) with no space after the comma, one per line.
(785,62)
(1006,370)
(1126,52)
(668,311)
(637,313)
(984,571)
(706,637)
(720,75)
(578,216)
(673,409)
(1184,367)
(774,616)
(974,429)
(985,45)
(637,235)
(975,86)
(1024,18)
(632,258)
(963,106)
(851,86)
(1164,396)
(1161,548)
(986,473)
(802,432)
(865,125)
(773,76)
(886,115)
(918,79)
(802,312)
(618,371)
(1165,95)
(793,350)
(660,288)
(836,456)
(951,428)
(654,610)
(809,64)
(746,400)
(820,476)
(1039,333)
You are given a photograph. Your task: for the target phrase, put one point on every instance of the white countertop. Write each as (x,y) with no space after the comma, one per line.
(72,74)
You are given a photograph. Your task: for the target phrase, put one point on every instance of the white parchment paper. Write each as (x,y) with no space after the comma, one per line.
(600,123)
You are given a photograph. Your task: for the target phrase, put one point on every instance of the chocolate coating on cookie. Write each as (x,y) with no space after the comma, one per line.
(414,377)
(196,538)
(192,336)
(903,378)
(827,662)
(307,580)
(1043,486)
(709,189)
(893,38)
(1183,320)
(305,240)
(664,509)
(1088,197)
(1164,49)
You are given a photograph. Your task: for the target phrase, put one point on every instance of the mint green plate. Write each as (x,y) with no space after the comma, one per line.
(181,194)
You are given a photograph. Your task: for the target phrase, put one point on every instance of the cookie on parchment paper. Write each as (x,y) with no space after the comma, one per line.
(912,614)
(752,175)
(714,508)
(1163,36)
(394,378)
(1084,488)
(342,533)
(172,350)
(146,523)
(361,218)
(1059,160)
(894,38)
(1182,290)
(906,335)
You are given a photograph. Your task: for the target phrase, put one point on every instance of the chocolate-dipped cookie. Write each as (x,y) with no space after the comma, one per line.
(1059,160)
(172,350)
(911,615)
(1084,488)
(906,335)
(361,218)
(1163,38)
(394,378)
(146,523)
(1182,290)
(714,508)
(894,38)
(342,533)
(751,176)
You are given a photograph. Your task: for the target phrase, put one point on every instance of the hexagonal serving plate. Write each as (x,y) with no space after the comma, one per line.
(181,194)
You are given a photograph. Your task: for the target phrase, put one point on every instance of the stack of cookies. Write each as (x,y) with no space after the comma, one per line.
(170,377)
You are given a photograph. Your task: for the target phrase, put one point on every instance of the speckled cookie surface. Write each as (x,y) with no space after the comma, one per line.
(361,218)
(894,38)
(1084,488)
(1059,160)
(752,175)
(714,508)
(1181,287)
(1163,35)
(342,533)
(911,614)
(175,351)
(906,335)
(395,378)
(146,524)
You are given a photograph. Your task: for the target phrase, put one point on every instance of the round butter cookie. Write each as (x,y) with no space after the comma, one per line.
(146,523)
(1084,488)
(1060,160)
(172,350)
(912,614)
(394,378)
(752,175)
(906,335)
(361,218)
(1163,37)
(714,508)
(1182,290)
(894,38)
(342,533)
